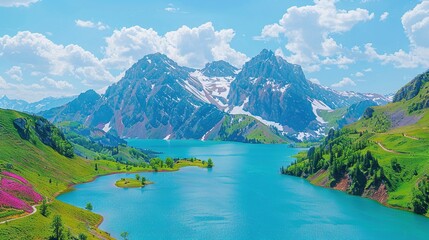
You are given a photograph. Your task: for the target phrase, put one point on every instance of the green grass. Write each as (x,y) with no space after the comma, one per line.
(37,226)
(6,213)
(332,117)
(247,129)
(413,155)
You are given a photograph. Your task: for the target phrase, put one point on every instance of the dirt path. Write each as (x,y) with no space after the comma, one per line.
(13,219)
(414,138)
(385,149)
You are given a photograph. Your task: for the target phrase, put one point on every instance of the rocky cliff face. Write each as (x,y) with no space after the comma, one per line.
(412,88)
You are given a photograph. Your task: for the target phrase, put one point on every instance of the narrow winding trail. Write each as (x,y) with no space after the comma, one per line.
(13,219)
(410,137)
(385,149)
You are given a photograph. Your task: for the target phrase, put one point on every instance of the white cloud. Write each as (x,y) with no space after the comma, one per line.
(192,47)
(368,70)
(90,24)
(3,83)
(416,24)
(384,16)
(17,3)
(271,31)
(39,54)
(57,84)
(314,80)
(15,73)
(416,27)
(359,74)
(309,32)
(343,83)
(171,8)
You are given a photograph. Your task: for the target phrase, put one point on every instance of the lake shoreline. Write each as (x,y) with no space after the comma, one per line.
(360,196)
(71,187)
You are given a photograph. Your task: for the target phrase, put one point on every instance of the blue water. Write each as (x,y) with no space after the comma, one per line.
(242,197)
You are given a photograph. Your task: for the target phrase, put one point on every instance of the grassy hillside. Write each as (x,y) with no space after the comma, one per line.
(243,128)
(93,143)
(383,156)
(50,172)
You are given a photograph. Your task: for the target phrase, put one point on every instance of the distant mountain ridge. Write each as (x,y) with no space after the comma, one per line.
(35,107)
(157,98)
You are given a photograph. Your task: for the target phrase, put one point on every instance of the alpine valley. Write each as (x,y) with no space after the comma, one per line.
(267,101)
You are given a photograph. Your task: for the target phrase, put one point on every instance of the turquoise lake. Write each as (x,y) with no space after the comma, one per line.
(242,197)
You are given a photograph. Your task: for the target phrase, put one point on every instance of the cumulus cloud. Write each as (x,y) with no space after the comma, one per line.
(57,84)
(90,24)
(192,47)
(17,3)
(15,73)
(359,74)
(309,31)
(416,27)
(384,16)
(40,54)
(343,83)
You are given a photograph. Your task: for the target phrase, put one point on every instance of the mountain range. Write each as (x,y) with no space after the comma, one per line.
(34,107)
(157,98)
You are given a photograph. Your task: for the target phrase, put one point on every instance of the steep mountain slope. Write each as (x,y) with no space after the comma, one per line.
(275,90)
(383,156)
(94,143)
(157,99)
(341,117)
(216,78)
(35,107)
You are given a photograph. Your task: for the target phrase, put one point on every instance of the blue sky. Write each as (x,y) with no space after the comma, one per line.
(57,48)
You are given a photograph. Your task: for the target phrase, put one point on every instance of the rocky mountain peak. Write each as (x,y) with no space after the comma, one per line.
(266,65)
(156,65)
(219,69)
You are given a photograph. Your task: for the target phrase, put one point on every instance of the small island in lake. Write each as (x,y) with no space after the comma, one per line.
(136,182)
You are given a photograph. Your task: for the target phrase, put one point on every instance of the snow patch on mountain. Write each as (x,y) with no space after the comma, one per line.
(319,105)
(167,137)
(107,127)
(217,87)
(197,93)
(240,110)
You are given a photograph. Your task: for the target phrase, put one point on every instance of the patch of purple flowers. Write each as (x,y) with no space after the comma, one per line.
(8,200)
(20,190)
(13,175)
